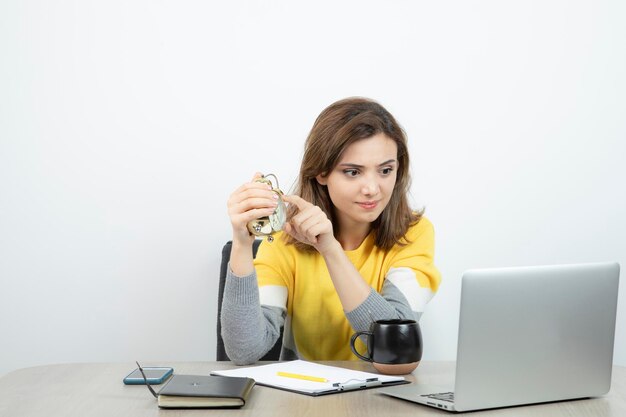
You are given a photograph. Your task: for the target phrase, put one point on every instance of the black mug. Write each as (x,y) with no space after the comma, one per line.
(393,346)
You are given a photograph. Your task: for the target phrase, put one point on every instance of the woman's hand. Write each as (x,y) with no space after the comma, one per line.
(310,225)
(249,202)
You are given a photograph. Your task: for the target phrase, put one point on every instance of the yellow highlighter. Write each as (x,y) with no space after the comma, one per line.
(299,376)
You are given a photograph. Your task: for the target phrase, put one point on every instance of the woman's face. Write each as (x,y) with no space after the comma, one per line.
(361,184)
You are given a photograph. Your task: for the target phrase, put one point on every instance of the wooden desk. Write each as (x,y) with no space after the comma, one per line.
(97,390)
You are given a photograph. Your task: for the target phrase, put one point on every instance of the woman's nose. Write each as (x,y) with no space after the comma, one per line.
(370,186)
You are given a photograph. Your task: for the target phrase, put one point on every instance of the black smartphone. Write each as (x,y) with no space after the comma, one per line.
(154,375)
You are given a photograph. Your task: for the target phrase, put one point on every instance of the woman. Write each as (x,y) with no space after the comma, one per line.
(352,251)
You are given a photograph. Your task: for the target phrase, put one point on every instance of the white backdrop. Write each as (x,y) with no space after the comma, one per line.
(124,126)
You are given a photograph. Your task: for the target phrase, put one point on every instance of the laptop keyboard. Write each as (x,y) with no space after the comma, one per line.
(442,396)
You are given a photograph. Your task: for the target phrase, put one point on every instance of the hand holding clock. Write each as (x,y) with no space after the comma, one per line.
(250,201)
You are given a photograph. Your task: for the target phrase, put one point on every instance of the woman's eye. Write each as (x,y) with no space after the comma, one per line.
(351,172)
(387,171)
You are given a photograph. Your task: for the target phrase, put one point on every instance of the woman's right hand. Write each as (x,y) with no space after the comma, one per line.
(250,201)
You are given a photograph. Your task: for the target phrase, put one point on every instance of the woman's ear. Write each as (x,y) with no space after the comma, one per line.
(321,179)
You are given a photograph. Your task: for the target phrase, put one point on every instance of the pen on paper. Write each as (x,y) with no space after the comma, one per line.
(299,376)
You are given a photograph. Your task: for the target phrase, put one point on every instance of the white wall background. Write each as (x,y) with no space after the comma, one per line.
(124,126)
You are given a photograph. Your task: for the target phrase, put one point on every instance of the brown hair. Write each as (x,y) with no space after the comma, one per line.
(337,127)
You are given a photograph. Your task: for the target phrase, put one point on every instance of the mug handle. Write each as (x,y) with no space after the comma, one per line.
(353,339)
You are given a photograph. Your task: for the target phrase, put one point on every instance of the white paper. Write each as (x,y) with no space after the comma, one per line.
(267,375)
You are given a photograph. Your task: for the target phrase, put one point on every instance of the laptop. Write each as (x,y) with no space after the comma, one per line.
(529,335)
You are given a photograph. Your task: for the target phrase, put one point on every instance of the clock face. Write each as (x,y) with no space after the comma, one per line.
(278,218)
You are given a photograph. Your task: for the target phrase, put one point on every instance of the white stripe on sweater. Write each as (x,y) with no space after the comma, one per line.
(405,280)
(273,295)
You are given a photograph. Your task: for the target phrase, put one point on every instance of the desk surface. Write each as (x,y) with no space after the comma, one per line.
(97,390)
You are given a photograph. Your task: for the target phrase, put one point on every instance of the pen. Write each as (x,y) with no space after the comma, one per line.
(368,383)
(299,376)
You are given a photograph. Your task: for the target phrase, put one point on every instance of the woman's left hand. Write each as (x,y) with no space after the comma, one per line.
(310,225)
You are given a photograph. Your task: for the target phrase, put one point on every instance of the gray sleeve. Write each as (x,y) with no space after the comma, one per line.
(249,330)
(389,304)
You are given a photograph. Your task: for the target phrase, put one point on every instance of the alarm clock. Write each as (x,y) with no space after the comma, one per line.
(268,225)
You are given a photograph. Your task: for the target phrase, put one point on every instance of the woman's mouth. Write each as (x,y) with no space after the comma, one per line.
(368,205)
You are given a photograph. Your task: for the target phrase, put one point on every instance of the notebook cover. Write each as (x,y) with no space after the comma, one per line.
(218,390)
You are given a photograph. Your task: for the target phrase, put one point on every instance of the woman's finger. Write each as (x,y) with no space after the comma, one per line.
(298,235)
(306,213)
(300,202)
(254,203)
(252,189)
(253,214)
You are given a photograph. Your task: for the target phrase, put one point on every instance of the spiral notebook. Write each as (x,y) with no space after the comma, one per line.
(312,378)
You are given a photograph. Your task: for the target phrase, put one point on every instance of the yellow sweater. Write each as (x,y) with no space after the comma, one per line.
(316,326)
